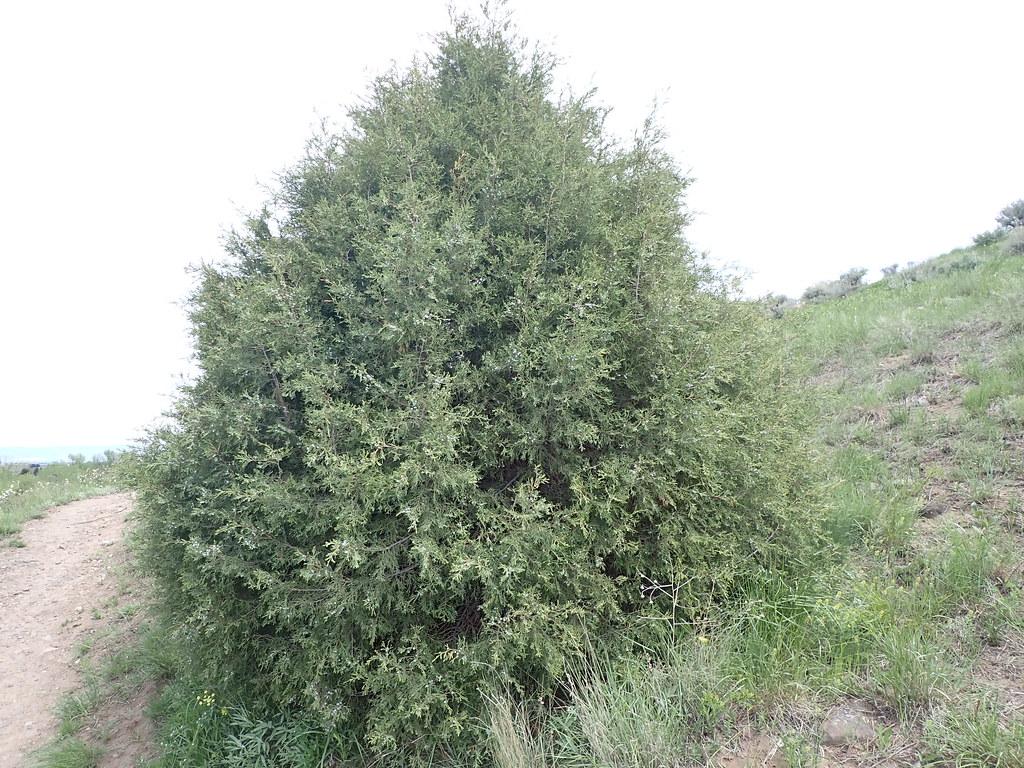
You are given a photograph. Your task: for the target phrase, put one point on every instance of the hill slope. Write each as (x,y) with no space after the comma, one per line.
(918,382)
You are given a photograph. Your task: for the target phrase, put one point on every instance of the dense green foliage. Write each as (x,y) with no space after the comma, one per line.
(466,397)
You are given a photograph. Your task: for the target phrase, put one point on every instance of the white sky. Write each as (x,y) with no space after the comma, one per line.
(822,135)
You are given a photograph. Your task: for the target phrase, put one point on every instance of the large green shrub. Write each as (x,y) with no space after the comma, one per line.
(465,392)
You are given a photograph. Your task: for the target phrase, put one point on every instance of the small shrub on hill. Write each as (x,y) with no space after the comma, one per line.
(457,401)
(959,260)
(1012,216)
(776,304)
(990,237)
(852,278)
(847,283)
(819,292)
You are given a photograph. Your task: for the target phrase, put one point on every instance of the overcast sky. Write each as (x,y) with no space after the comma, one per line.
(822,135)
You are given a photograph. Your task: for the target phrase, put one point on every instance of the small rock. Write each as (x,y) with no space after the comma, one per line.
(848,724)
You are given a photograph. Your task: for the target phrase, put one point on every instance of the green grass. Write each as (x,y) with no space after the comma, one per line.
(911,314)
(645,712)
(68,753)
(25,497)
(973,737)
(903,384)
(1000,381)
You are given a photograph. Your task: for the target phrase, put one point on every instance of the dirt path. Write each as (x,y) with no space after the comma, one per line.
(51,592)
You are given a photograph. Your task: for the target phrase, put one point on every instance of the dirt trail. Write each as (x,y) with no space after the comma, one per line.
(51,591)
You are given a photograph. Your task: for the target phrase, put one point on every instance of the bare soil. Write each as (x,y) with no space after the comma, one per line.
(52,597)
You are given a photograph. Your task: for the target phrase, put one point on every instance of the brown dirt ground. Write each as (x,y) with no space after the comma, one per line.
(53,594)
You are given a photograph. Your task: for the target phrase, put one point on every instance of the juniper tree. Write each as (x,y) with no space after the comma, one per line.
(465,390)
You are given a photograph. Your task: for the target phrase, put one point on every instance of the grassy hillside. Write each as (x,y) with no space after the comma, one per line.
(906,644)
(23,497)
(918,383)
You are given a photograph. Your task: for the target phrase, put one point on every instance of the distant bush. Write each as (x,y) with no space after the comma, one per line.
(472,393)
(821,291)
(853,278)
(1014,242)
(847,283)
(777,303)
(891,270)
(959,260)
(991,237)
(1012,216)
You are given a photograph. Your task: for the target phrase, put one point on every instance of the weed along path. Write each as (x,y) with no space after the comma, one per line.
(51,592)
